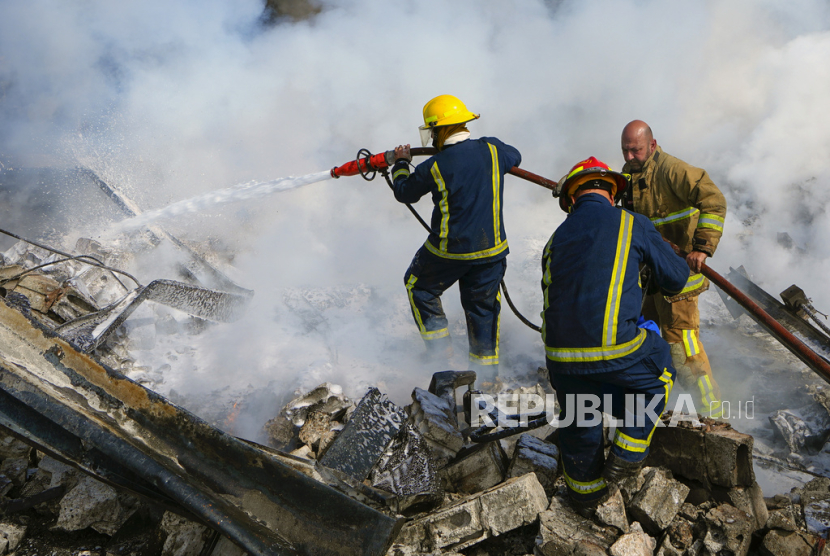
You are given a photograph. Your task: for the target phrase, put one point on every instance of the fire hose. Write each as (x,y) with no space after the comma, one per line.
(368,165)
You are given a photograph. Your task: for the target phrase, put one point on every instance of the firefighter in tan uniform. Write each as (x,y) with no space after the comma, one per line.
(688,209)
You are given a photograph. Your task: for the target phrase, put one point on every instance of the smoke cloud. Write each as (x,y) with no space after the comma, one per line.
(171,101)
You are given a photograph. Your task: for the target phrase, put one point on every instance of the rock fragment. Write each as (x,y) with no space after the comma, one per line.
(658,501)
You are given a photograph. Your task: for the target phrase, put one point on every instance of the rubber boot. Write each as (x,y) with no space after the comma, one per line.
(617,470)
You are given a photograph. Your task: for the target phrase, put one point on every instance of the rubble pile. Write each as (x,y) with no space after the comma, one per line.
(48,507)
(697,495)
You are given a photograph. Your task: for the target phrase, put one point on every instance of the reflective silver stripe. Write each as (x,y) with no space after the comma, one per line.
(690,343)
(435,334)
(629,443)
(694,282)
(602,353)
(712,221)
(674,217)
(612,305)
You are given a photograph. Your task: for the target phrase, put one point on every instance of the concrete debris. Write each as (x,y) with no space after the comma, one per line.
(10,536)
(563,532)
(747,499)
(15,470)
(91,503)
(727,530)
(408,471)
(635,543)
(434,418)
(781,519)
(510,505)
(475,469)
(368,434)
(658,501)
(532,454)
(326,399)
(612,512)
(714,453)
(802,434)
(785,543)
(678,536)
(183,537)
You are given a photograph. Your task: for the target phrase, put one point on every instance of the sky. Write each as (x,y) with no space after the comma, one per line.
(168,101)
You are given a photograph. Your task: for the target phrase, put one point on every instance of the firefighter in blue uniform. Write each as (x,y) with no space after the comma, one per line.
(467,241)
(594,347)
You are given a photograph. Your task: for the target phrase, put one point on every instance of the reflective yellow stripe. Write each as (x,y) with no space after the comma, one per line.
(612,304)
(674,216)
(602,353)
(491,359)
(401,172)
(443,205)
(629,443)
(667,387)
(409,285)
(584,487)
(712,221)
(435,334)
(690,343)
(695,281)
(467,256)
(496,204)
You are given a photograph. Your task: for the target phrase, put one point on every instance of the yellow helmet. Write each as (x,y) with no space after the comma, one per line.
(443,110)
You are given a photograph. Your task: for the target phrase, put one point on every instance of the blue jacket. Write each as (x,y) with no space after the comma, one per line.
(467,185)
(592,289)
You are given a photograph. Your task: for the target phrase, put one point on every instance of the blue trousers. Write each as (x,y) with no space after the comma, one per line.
(637,396)
(430,275)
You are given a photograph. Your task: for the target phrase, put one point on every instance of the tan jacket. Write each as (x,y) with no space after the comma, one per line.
(683,203)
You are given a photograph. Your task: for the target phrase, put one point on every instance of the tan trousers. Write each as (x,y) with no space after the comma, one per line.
(680,325)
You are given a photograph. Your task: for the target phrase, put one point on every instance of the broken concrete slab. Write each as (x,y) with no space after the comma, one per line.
(407,471)
(371,429)
(510,505)
(781,519)
(729,457)
(635,543)
(91,503)
(658,501)
(748,499)
(183,537)
(12,534)
(727,529)
(612,512)
(533,455)
(785,543)
(713,454)
(474,470)
(563,532)
(433,417)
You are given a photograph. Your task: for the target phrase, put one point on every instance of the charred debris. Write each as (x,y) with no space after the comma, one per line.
(95,463)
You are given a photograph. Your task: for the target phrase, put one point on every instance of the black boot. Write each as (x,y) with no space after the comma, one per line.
(618,470)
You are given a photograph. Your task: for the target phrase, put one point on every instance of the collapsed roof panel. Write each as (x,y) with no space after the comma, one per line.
(96,418)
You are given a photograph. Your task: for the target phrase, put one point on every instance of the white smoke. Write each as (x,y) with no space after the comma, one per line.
(169,101)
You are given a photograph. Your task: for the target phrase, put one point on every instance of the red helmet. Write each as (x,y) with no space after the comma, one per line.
(587,174)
